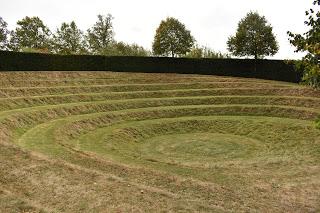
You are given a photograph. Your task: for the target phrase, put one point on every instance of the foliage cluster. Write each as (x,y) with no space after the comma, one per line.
(254,37)
(205,52)
(172,38)
(309,42)
(32,35)
(4,33)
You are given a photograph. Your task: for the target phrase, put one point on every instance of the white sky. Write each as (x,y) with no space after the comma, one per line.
(211,22)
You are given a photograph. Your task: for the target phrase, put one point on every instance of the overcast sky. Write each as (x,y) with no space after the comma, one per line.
(211,22)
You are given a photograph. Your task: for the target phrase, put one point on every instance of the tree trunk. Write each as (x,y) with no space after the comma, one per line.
(255,63)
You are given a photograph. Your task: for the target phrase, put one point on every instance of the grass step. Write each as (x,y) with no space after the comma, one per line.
(18,103)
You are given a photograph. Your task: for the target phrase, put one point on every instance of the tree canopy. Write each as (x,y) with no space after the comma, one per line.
(4,32)
(254,37)
(172,38)
(309,42)
(101,35)
(69,39)
(31,33)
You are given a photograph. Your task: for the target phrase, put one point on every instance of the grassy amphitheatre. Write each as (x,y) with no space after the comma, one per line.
(124,142)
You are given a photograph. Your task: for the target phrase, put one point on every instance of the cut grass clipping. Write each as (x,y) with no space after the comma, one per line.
(132,142)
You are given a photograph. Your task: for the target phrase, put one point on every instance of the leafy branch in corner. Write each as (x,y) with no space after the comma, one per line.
(309,42)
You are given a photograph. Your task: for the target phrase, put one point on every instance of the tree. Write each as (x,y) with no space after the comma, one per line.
(4,32)
(254,37)
(68,39)
(309,42)
(100,36)
(31,33)
(172,38)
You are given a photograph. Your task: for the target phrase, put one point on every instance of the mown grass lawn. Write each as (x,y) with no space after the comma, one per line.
(122,142)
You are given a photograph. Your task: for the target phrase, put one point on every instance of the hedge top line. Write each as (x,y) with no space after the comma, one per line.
(265,69)
(5,52)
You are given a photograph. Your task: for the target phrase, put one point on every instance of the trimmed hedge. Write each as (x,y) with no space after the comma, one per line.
(265,69)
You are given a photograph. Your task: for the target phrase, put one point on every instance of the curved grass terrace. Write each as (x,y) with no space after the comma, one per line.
(134,142)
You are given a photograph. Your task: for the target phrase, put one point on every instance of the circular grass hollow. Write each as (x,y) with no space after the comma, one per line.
(199,147)
(203,142)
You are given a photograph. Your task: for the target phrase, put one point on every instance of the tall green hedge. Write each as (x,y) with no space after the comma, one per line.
(266,69)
